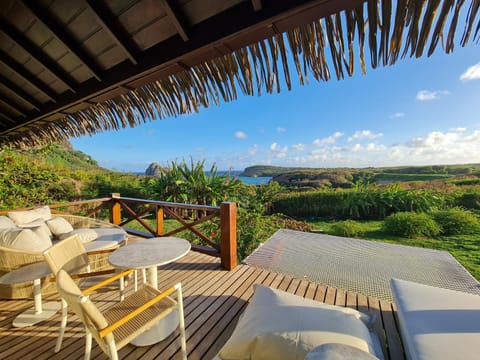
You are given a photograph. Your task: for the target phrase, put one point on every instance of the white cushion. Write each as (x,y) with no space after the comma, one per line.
(43,232)
(24,239)
(85,235)
(6,222)
(335,351)
(437,323)
(59,226)
(22,217)
(279,325)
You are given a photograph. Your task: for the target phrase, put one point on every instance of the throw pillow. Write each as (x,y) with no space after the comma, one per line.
(334,351)
(59,226)
(6,222)
(23,239)
(279,325)
(28,216)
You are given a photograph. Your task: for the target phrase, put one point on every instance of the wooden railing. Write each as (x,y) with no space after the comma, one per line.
(123,211)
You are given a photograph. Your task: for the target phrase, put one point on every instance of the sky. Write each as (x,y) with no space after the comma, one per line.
(417,112)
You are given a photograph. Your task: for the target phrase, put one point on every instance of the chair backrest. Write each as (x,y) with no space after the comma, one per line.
(84,308)
(68,254)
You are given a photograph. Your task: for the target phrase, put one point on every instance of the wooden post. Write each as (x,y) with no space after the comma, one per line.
(159,216)
(228,235)
(115,210)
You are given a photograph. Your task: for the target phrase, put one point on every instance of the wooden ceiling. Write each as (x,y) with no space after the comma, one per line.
(61,58)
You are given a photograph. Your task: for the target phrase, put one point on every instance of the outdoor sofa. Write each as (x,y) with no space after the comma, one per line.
(24,235)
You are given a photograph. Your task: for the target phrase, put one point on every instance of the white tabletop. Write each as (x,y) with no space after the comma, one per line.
(149,252)
(26,273)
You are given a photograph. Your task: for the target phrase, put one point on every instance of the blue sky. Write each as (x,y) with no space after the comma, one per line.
(416,112)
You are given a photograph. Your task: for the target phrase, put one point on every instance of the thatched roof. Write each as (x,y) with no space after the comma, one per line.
(372,34)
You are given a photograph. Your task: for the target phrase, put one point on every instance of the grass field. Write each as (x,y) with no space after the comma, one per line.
(465,248)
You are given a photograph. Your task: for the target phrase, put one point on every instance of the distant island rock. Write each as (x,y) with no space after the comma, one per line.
(154,169)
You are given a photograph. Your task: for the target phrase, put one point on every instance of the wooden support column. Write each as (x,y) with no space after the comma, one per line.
(159,216)
(228,236)
(115,210)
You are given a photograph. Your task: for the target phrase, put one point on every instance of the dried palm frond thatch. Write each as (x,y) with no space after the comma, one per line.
(390,28)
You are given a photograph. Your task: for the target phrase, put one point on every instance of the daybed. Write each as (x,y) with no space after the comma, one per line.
(437,323)
(19,247)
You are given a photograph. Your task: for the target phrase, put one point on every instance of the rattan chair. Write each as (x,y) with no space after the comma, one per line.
(71,256)
(116,326)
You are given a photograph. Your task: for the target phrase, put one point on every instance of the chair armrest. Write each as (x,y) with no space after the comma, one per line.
(138,310)
(101,284)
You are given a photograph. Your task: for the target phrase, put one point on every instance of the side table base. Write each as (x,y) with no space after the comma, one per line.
(29,317)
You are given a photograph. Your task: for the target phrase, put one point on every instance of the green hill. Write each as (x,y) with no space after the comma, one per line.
(58,173)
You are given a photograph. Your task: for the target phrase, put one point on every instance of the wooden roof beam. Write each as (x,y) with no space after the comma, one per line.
(18,69)
(174,18)
(8,118)
(257,5)
(59,31)
(36,53)
(20,92)
(12,106)
(114,28)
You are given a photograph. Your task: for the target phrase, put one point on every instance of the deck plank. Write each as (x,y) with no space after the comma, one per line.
(214,299)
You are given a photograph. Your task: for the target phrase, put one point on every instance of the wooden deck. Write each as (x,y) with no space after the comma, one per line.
(213,301)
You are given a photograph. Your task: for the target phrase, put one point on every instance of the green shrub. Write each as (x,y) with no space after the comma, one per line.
(457,221)
(347,228)
(469,199)
(322,204)
(410,225)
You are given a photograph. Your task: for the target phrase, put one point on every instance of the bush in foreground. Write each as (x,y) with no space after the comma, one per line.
(411,225)
(347,228)
(457,221)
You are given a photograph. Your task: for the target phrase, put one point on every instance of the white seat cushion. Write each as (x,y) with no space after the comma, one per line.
(279,325)
(437,323)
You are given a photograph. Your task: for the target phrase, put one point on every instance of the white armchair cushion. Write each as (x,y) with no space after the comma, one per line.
(279,325)
(59,226)
(24,239)
(6,222)
(28,216)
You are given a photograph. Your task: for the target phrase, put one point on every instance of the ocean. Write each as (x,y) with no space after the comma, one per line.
(245,179)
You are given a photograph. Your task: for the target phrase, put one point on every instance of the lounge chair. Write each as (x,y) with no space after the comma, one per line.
(115,327)
(70,255)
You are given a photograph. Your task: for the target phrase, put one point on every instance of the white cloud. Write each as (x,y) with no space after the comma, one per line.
(458,129)
(397,115)
(328,140)
(240,135)
(375,147)
(357,148)
(253,150)
(426,95)
(278,151)
(364,134)
(472,73)
(281,130)
(434,139)
(298,147)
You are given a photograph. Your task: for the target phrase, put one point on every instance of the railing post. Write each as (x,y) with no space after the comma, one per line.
(228,235)
(159,216)
(115,210)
